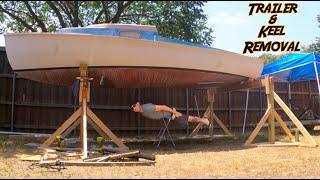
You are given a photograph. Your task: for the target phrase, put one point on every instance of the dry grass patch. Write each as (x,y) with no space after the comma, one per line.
(218,158)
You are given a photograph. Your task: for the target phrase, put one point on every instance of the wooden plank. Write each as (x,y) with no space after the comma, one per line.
(95,127)
(258,127)
(196,129)
(120,155)
(276,144)
(117,150)
(72,127)
(294,119)
(81,163)
(199,126)
(62,128)
(215,117)
(283,125)
(106,130)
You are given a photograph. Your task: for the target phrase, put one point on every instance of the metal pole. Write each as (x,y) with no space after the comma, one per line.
(317,76)
(13,100)
(195,98)
(245,113)
(84,125)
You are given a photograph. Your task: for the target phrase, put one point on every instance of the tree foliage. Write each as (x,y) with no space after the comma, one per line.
(268,57)
(314,47)
(183,20)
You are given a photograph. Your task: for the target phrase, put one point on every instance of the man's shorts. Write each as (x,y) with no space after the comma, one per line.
(182,120)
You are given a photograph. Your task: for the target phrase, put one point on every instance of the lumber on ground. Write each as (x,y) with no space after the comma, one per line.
(140,155)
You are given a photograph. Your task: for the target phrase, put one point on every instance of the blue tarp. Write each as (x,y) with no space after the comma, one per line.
(294,67)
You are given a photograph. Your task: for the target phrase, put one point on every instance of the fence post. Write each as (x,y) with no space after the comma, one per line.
(139,116)
(187,107)
(289,95)
(13,100)
(229,110)
(260,99)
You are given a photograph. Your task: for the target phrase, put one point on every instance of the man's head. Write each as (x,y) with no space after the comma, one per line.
(136,107)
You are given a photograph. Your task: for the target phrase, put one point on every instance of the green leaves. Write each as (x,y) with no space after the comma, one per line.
(183,20)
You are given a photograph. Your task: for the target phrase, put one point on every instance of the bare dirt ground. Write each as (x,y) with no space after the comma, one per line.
(217,158)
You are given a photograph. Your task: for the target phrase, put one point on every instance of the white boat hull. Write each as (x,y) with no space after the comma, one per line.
(32,55)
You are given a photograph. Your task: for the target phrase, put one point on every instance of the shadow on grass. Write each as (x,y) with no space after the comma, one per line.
(10,148)
(192,145)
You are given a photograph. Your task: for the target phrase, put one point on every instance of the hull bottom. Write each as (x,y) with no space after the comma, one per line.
(128,77)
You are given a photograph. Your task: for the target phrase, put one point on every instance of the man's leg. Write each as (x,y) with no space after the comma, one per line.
(204,121)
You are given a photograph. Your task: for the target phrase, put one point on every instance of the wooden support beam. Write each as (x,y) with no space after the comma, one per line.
(221,124)
(295,120)
(106,130)
(199,126)
(270,99)
(258,127)
(62,128)
(95,127)
(72,127)
(283,125)
(210,118)
(196,130)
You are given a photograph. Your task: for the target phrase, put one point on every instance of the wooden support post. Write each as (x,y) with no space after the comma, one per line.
(84,98)
(271,122)
(272,115)
(210,94)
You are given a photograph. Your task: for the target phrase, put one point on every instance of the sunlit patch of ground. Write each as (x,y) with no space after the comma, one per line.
(217,158)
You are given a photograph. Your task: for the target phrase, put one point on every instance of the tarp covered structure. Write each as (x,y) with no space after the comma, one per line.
(295,67)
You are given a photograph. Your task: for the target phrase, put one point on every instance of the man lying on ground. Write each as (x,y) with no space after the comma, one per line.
(153,111)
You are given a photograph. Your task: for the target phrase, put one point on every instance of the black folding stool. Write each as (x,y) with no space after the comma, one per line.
(164,130)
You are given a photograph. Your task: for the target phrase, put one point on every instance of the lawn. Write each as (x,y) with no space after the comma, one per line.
(217,158)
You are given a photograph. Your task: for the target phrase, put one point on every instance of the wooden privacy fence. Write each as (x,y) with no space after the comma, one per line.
(28,106)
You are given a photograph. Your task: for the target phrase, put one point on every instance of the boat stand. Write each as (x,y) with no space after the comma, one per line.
(271,115)
(209,113)
(81,117)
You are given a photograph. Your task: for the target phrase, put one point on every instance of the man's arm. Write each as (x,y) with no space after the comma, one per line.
(167,109)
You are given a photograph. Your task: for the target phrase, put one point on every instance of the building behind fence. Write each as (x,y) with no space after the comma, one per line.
(28,106)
